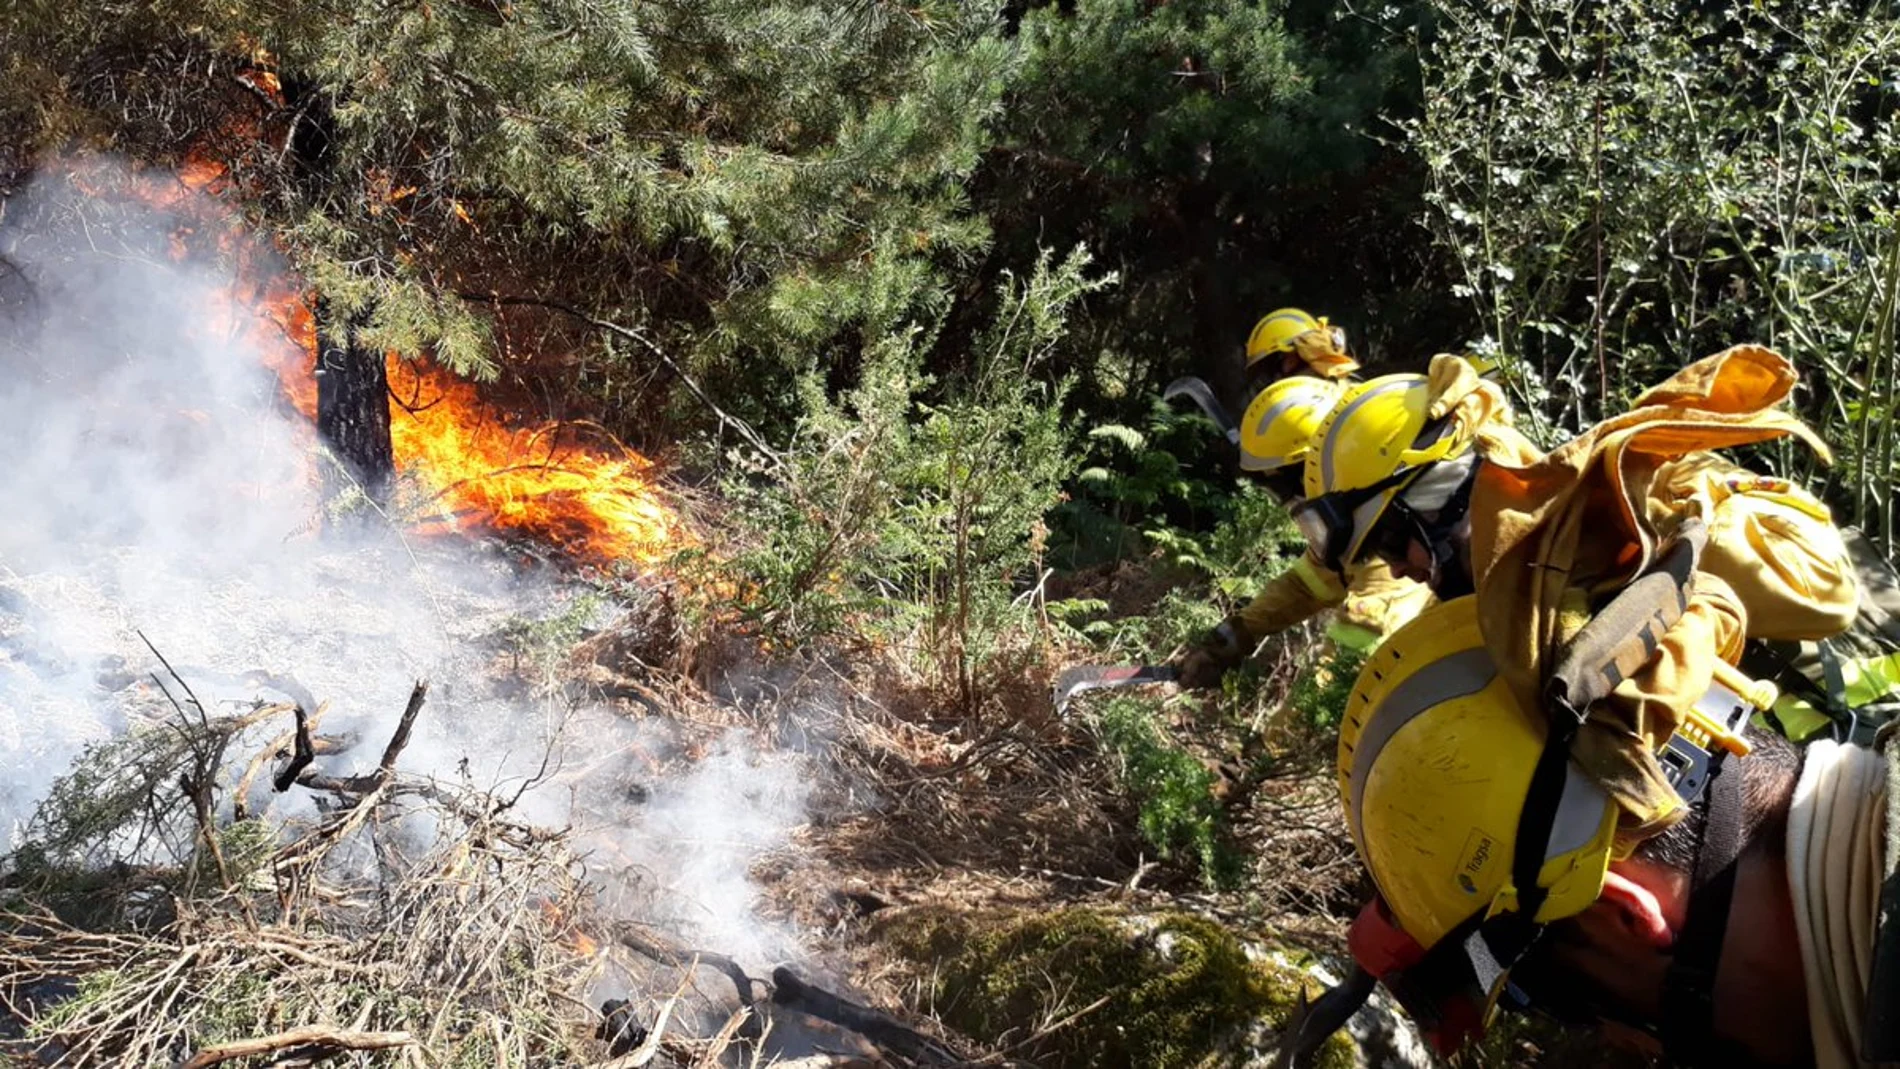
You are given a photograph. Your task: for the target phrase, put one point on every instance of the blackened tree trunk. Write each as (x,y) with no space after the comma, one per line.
(353,409)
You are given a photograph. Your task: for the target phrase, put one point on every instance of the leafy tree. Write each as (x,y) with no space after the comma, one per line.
(1624,188)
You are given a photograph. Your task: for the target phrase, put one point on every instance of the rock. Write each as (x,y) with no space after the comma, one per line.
(1174,989)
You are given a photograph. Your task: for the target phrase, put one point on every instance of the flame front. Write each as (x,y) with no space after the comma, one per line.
(471,467)
(474,470)
(479,471)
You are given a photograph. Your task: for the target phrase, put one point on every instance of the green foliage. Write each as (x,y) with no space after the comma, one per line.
(1232,536)
(1179,989)
(1172,788)
(1213,154)
(1627,187)
(1321,691)
(117,801)
(1166,470)
(914,506)
(541,644)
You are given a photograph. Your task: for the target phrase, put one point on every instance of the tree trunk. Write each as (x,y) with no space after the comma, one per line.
(353,410)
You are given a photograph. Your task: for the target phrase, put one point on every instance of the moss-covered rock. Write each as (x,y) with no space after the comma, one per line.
(1177,990)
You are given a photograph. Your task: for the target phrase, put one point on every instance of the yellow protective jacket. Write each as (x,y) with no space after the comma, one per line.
(1550,532)
(1372,602)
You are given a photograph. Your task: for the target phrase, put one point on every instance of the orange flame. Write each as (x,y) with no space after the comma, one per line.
(572,937)
(605,506)
(473,468)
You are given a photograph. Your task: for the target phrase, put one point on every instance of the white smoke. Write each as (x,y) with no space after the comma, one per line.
(154,482)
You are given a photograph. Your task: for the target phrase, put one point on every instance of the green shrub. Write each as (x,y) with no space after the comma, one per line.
(912,508)
(1172,789)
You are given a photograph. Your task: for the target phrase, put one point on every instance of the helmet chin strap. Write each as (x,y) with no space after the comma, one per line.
(1439,536)
(1688,996)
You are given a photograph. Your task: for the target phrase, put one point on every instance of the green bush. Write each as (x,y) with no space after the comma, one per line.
(910,508)
(1626,187)
(1172,789)
(1322,689)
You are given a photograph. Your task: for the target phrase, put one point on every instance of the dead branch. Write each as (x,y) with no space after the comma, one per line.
(300,757)
(365,784)
(240,796)
(881,1028)
(650,946)
(322,1037)
(401,738)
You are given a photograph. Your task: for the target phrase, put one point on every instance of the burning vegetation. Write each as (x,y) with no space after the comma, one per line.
(465,465)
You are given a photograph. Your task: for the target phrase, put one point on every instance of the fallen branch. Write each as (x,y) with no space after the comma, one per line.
(319,1036)
(881,1028)
(630,936)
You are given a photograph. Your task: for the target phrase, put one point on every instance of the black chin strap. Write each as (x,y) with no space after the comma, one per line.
(1688,996)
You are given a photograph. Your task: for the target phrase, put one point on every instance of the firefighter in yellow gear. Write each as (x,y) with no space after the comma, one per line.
(1502,885)
(1288,341)
(1276,432)
(1426,474)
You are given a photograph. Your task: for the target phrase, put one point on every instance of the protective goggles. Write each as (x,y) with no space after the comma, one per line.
(1338,525)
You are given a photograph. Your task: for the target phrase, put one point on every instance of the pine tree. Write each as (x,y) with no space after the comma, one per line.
(749,185)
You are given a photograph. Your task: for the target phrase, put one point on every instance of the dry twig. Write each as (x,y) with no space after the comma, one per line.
(318,1037)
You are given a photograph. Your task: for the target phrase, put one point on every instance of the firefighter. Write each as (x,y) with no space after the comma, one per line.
(1502,883)
(1426,472)
(1288,341)
(1297,367)
(1276,431)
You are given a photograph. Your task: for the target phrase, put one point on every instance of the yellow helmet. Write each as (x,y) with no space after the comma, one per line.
(1372,449)
(1435,762)
(1290,330)
(1278,426)
(1475,824)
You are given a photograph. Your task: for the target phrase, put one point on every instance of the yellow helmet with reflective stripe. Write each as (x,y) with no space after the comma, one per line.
(1435,761)
(1374,445)
(1289,330)
(1278,426)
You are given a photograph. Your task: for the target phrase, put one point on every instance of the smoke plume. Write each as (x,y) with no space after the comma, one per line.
(157,483)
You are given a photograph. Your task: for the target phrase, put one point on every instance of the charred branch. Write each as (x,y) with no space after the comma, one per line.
(645,943)
(792,992)
(300,758)
(353,407)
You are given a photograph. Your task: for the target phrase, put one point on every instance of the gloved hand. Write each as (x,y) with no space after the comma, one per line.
(1203,666)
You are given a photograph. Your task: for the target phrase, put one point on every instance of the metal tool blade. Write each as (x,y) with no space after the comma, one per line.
(1094,677)
(1203,395)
